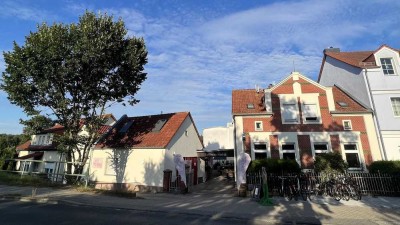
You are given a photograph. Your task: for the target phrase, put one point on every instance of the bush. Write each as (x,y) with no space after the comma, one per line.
(330,162)
(274,165)
(390,167)
(25,180)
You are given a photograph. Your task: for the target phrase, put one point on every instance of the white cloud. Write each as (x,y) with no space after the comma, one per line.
(308,26)
(194,64)
(16,9)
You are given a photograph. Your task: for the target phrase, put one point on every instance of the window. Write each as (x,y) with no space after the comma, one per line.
(260,150)
(258,125)
(49,169)
(34,140)
(352,156)
(289,113)
(310,112)
(387,66)
(396,106)
(288,151)
(347,125)
(250,105)
(320,148)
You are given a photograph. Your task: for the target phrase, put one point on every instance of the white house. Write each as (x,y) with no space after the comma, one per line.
(373,78)
(40,154)
(137,150)
(219,143)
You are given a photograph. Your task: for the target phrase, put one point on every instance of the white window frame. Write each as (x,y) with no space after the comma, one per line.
(315,151)
(385,64)
(290,103)
(34,138)
(267,153)
(357,151)
(317,113)
(281,151)
(394,107)
(261,126)
(350,127)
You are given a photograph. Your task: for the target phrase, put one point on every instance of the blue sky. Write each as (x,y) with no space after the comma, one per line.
(200,50)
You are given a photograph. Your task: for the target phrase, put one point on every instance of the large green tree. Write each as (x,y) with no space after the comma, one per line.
(76,70)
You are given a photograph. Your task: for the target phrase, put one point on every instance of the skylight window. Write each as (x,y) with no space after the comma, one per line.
(250,105)
(125,128)
(343,104)
(159,125)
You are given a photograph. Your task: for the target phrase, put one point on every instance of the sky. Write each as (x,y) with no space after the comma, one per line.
(199,51)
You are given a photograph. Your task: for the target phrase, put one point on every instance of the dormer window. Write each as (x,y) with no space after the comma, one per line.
(250,105)
(310,113)
(289,112)
(387,66)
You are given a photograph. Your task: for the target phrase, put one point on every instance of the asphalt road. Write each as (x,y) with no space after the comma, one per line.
(21,213)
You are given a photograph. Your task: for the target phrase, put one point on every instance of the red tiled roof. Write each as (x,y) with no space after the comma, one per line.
(56,129)
(24,146)
(141,135)
(28,147)
(35,156)
(352,105)
(357,59)
(240,99)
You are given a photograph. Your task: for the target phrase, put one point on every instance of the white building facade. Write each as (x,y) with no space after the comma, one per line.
(373,77)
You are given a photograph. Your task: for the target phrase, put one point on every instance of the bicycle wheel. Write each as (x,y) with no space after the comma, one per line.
(345,193)
(286,193)
(354,193)
(312,194)
(304,192)
(295,193)
(337,195)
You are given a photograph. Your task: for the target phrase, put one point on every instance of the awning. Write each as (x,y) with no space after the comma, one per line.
(35,156)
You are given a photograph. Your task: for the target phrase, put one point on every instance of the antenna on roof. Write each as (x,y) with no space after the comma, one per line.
(294,67)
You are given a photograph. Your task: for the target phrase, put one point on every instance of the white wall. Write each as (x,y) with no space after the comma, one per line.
(217,138)
(185,142)
(392,144)
(346,76)
(136,166)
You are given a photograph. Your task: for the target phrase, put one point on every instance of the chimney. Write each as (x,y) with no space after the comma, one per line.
(331,49)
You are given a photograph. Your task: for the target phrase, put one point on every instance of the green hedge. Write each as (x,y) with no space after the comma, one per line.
(391,167)
(274,165)
(330,162)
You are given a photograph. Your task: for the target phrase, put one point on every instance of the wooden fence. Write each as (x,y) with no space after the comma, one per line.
(376,184)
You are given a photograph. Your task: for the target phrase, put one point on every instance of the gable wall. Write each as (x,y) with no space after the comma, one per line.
(347,77)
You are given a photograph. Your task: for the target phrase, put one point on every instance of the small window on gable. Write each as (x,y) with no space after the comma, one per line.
(387,66)
(258,125)
(310,112)
(289,113)
(347,125)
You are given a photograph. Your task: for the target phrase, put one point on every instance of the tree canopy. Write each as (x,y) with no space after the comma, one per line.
(75,71)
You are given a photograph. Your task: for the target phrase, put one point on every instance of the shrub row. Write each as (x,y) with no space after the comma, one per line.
(274,166)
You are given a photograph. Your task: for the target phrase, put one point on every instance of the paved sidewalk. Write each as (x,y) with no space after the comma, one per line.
(216,199)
